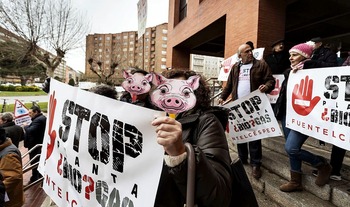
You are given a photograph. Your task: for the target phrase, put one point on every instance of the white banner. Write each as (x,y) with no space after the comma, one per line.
(251,118)
(142,17)
(98,151)
(275,93)
(227,64)
(318,104)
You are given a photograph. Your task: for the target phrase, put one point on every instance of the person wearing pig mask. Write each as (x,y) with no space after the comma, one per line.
(201,125)
(132,80)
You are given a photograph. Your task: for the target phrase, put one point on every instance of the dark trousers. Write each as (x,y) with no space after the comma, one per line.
(337,157)
(35,173)
(255,152)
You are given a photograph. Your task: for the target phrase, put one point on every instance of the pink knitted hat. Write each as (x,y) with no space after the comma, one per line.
(304,49)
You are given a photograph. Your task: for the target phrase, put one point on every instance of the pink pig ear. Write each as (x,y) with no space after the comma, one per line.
(158,79)
(149,77)
(126,74)
(193,81)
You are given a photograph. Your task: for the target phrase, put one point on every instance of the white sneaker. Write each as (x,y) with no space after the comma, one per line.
(335,177)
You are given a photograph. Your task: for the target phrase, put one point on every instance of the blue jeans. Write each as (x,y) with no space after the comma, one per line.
(294,142)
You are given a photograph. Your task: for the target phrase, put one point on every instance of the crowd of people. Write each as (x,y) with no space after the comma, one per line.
(203,126)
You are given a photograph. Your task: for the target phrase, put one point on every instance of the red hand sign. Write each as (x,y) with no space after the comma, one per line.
(302,100)
(277,88)
(52,133)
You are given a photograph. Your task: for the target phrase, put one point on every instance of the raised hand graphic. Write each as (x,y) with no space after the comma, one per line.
(302,101)
(52,133)
(277,88)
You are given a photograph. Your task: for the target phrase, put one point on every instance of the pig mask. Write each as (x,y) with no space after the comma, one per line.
(137,83)
(174,96)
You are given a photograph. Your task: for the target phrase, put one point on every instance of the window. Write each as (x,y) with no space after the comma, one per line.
(108,38)
(164,38)
(163,52)
(183,9)
(165,31)
(163,45)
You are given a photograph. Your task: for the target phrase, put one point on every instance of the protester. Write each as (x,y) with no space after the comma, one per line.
(251,44)
(325,57)
(278,60)
(34,134)
(347,61)
(246,76)
(13,131)
(11,171)
(321,56)
(104,90)
(204,127)
(299,54)
(142,99)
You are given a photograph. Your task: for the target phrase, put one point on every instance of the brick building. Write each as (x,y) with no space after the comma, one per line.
(217,28)
(127,49)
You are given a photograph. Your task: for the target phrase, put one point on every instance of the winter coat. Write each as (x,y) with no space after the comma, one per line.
(34,132)
(14,132)
(205,131)
(260,73)
(280,107)
(11,170)
(278,62)
(322,57)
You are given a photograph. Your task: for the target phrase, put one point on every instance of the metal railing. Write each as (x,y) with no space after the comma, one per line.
(28,166)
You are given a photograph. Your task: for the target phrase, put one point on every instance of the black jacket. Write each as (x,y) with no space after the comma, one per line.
(14,132)
(278,62)
(205,131)
(322,57)
(35,131)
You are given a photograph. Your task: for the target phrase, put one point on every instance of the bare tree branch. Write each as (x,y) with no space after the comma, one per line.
(49,24)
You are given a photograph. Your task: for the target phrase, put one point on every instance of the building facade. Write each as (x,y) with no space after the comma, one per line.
(218,28)
(128,50)
(208,66)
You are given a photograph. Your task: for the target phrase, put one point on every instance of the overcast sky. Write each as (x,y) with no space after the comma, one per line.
(114,16)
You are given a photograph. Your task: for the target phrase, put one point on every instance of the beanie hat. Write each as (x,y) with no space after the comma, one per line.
(304,49)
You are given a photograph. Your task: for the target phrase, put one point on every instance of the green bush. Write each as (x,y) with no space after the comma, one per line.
(19,88)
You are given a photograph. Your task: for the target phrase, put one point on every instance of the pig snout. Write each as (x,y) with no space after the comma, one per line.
(173,103)
(136,88)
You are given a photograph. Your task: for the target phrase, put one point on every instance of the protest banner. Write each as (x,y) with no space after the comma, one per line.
(227,64)
(99,151)
(318,104)
(251,118)
(21,114)
(273,96)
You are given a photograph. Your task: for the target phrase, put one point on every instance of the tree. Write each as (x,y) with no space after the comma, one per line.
(103,74)
(50,24)
(13,61)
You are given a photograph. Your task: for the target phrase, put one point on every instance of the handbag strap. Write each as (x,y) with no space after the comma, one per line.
(191,175)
